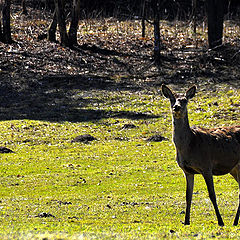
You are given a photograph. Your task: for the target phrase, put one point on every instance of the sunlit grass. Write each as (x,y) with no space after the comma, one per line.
(118,186)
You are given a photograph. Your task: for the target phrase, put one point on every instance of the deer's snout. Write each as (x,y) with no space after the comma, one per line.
(176,108)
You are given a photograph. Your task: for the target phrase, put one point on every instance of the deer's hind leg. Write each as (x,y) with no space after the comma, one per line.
(210,186)
(236,174)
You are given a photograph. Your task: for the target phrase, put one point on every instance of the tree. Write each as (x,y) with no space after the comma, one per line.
(60,14)
(66,38)
(5,29)
(24,9)
(143,17)
(215,11)
(72,34)
(52,28)
(156,20)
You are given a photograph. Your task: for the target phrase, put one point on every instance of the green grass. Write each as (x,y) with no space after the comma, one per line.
(118,186)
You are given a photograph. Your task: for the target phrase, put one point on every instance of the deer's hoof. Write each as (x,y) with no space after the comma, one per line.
(221,224)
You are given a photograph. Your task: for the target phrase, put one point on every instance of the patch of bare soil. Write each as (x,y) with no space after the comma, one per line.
(38,78)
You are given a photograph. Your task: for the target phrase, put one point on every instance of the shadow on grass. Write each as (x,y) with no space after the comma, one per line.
(56,98)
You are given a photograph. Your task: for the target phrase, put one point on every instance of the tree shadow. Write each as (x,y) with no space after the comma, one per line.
(55,98)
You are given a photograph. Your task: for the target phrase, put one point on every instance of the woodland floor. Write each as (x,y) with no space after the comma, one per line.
(38,79)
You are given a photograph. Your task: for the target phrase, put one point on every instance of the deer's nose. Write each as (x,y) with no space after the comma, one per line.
(176,108)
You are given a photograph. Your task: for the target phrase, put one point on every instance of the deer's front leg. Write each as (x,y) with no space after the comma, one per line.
(189,193)
(237,214)
(210,186)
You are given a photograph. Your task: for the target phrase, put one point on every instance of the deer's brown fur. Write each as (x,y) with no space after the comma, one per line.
(203,151)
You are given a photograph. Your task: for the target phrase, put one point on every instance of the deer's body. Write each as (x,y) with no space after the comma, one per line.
(217,150)
(203,151)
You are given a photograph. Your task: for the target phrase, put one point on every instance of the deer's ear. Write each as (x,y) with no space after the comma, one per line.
(191,92)
(167,92)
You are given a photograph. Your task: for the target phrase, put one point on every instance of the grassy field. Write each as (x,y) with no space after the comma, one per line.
(119,185)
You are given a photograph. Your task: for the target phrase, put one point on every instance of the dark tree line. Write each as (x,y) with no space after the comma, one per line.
(153,10)
(170,9)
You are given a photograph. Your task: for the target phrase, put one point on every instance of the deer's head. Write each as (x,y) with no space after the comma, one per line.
(178,102)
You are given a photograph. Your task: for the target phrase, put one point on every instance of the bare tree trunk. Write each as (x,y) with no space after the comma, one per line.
(143,18)
(72,34)
(194,13)
(6,32)
(59,6)
(1,34)
(194,19)
(53,28)
(24,9)
(156,41)
(215,10)
(157,44)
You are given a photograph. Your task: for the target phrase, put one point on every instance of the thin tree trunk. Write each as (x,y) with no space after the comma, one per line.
(1,34)
(194,19)
(194,15)
(143,18)
(72,34)
(24,9)
(53,28)
(6,21)
(157,44)
(59,6)
(156,41)
(215,10)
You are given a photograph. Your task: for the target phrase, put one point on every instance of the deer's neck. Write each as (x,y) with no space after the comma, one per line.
(181,133)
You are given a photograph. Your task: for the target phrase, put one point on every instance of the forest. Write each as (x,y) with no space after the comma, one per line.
(86,133)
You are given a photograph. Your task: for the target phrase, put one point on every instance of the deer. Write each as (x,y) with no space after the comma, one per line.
(203,151)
